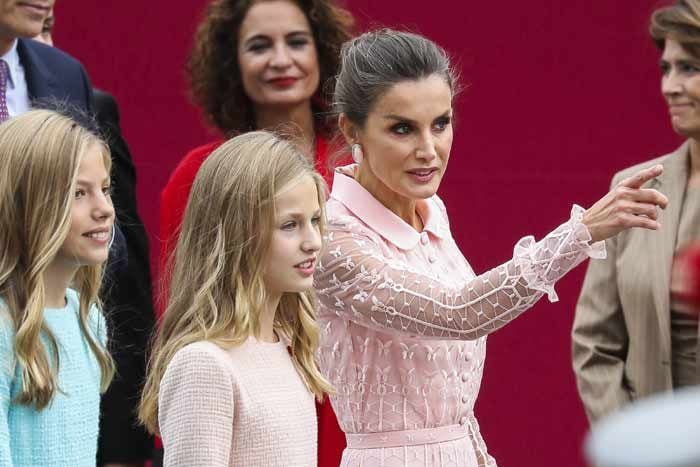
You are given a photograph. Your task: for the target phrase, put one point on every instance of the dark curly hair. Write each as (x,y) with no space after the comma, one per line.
(214,74)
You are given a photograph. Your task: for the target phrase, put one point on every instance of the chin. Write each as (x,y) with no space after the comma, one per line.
(94,260)
(302,286)
(306,286)
(31,30)
(423,192)
(686,132)
(289,96)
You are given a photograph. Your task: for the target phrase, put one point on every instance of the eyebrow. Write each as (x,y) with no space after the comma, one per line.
(88,182)
(406,119)
(266,37)
(297,214)
(663,61)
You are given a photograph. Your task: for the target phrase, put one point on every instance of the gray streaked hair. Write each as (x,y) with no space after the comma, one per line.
(375,61)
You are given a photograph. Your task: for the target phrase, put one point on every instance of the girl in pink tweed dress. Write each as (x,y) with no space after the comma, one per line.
(232,378)
(403,317)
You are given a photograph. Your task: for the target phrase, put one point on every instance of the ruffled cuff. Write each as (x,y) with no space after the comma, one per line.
(543,263)
(596,250)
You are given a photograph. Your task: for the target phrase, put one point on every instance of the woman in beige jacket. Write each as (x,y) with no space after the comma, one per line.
(631,339)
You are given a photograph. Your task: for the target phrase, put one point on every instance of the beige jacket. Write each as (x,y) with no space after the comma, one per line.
(621,333)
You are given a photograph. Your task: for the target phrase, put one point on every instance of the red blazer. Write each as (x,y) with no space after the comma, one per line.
(173,200)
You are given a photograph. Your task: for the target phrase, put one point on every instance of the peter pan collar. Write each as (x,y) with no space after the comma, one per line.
(374,214)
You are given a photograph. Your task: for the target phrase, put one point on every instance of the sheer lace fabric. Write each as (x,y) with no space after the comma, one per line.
(404,321)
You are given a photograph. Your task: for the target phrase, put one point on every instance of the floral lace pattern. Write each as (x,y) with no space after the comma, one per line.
(404,321)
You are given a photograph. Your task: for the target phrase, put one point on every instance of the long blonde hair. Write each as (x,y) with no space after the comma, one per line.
(40,153)
(217,286)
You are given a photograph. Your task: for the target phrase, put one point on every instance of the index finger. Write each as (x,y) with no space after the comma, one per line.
(643,176)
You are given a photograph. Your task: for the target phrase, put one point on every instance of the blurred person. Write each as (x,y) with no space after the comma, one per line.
(126,295)
(685,278)
(632,337)
(658,431)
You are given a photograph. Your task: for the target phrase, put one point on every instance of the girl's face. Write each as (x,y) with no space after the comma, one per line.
(277,55)
(92,215)
(407,139)
(296,239)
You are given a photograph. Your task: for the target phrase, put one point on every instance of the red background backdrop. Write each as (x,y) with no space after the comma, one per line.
(561,95)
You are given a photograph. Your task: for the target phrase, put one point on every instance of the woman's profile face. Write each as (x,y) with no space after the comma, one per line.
(277,55)
(407,138)
(680,86)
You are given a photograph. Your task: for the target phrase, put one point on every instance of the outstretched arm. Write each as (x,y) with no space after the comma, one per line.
(357,280)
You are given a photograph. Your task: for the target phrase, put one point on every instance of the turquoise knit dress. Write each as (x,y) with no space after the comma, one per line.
(65,432)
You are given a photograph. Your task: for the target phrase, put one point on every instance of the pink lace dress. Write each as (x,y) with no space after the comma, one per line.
(404,321)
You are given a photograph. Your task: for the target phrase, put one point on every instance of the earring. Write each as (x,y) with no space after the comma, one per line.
(357,155)
(111,240)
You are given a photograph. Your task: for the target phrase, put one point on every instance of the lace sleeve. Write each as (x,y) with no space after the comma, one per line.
(356,280)
(483,457)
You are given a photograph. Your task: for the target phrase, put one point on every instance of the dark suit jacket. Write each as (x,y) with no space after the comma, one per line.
(54,78)
(127,299)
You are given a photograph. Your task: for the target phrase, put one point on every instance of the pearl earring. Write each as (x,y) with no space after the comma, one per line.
(111,239)
(357,155)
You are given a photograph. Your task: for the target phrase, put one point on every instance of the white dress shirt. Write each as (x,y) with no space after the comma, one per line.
(17,93)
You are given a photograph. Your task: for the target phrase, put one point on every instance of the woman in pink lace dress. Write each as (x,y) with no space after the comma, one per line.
(403,317)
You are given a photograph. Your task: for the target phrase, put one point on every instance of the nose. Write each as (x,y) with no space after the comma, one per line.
(313,240)
(103,208)
(671,83)
(281,57)
(426,147)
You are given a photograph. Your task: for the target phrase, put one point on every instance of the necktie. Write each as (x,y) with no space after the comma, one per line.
(4,76)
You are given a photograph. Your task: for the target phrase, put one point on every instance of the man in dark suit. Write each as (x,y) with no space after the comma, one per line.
(37,73)
(126,295)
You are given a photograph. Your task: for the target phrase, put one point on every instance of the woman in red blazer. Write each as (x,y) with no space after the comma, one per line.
(261,65)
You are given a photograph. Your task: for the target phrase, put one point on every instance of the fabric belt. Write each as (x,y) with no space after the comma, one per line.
(392,439)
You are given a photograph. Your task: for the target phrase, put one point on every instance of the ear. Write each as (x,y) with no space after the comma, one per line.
(348,129)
